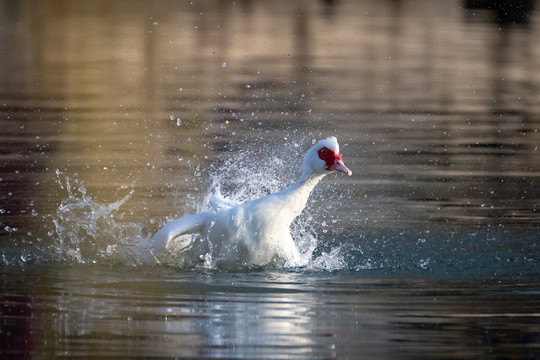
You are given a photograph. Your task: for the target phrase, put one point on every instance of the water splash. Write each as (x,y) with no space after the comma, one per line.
(84,230)
(87,231)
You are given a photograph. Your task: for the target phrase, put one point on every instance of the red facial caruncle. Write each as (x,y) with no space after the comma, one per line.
(333,161)
(328,156)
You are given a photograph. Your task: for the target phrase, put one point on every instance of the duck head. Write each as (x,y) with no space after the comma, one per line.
(324,157)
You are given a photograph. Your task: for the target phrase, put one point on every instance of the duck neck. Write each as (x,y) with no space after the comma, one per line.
(302,189)
(309,180)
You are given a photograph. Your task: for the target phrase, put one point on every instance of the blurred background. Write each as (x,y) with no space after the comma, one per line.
(436,105)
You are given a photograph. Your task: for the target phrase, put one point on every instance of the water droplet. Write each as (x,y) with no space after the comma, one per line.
(178,122)
(224,64)
(424,263)
(34,212)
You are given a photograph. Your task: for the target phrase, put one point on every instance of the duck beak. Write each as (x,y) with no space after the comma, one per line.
(340,167)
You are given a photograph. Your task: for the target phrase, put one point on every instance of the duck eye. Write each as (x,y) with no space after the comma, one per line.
(323,151)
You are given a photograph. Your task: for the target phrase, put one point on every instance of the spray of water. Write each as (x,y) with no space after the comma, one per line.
(87,231)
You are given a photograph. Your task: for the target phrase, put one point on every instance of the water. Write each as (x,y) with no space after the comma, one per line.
(115,117)
(161,312)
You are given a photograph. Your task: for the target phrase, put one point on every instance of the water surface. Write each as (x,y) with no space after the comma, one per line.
(116,116)
(94,312)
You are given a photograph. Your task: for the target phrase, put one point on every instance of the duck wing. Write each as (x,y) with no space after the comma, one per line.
(191,224)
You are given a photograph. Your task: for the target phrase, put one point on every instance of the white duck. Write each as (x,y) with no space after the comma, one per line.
(256,232)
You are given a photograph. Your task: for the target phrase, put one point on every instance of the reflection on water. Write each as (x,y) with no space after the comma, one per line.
(124,113)
(265,315)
